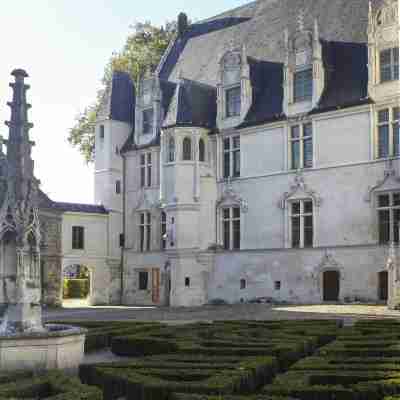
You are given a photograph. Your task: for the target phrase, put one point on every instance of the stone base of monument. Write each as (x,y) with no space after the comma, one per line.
(58,347)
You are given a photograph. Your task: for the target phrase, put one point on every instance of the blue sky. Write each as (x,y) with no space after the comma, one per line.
(64,46)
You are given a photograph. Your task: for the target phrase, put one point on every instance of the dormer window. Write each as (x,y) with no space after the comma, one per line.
(233,102)
(303,85)
(148,116)
(389,64)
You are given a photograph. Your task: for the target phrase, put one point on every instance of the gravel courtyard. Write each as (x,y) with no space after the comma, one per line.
(76,310)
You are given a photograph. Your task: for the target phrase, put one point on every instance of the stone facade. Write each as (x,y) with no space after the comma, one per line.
(213,183)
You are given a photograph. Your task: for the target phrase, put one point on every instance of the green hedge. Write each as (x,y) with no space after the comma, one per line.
(52,386)
(76,288)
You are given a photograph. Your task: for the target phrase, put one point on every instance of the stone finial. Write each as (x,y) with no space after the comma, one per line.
(19,73)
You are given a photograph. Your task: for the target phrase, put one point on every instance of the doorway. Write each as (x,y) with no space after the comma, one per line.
(76,286)
(383,285)
(331,285)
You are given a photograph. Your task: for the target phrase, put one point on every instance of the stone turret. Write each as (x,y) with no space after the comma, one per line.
(19,222)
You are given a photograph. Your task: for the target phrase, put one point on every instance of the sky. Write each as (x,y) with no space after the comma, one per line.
(64,46)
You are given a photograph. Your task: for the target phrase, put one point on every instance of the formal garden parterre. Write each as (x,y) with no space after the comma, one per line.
(235,360)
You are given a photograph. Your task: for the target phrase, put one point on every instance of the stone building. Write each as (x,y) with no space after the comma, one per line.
(261,159)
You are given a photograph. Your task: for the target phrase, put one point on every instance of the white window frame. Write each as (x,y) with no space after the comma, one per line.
(146,169)
(231,221)
(144,232)
(392,65)
(231,151)
(391,207)
(302,98)
(301,139)
(302,216)
(392,121)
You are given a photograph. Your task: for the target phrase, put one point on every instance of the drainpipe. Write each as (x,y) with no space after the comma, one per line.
(123,227)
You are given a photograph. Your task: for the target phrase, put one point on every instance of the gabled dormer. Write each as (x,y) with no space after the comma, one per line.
(304,72)
(234,90)
(148,109)
(383,47)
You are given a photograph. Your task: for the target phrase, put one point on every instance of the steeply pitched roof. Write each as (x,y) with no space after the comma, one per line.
(260,26)
(347,83)
(193,104)
(118,102)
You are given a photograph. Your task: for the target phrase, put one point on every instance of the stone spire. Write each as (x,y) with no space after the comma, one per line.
(19,221)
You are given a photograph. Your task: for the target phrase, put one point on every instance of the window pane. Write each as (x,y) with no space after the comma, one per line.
(142,219)
(296,208)
(396,139)
(227,144)
(396,199)
(233,102)
(307,130)
(236,234)
(383,115)
(383,141)
(295,155)
(385,61)
(148,238)
(148,121)
(295,132)
(308,153)
(236,142)
(187,149)
(141,230)
(303,85)
(308,207)
(202,150)
(227,165)
(384,200)
(227,235)
(236,163)
(142,176)
(396,220)
(143,159)
(296,232)
(384,226)
(143,280)
(148,218)
(236,212)
(171,150)
(308,231)
(396,113)
(149,176)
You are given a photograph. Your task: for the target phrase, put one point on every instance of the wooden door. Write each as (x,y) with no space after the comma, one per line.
(331,285)
(383,288)
(155,285)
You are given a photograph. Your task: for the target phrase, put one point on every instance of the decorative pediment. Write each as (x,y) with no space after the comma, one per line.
(390,181)
(230,198)
(299,190)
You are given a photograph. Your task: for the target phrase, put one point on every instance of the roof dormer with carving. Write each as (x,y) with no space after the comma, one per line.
(304,71)
(383,40)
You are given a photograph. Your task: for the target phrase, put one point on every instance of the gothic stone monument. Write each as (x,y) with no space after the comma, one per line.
(25,343)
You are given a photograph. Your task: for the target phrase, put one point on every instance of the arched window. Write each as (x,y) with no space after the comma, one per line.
(187,149)
(202,151)
(171,150)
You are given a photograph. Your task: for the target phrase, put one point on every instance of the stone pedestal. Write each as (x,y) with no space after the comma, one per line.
(60,347)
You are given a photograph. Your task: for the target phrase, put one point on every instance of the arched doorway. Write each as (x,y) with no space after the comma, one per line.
(383,285)
(76,285)
(331,285)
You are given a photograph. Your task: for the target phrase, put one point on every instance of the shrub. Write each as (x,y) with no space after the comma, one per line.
(136,346)
(76,288)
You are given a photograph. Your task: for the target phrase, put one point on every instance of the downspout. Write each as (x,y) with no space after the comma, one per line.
(123,228)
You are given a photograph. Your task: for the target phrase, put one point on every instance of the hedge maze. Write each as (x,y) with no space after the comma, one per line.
(235,360)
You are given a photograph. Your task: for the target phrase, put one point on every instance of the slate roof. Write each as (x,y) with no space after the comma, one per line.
(46,203)
(195,104)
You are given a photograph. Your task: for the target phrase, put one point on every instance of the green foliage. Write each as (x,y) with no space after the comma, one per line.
(143,50)
(53,385)
(76,288)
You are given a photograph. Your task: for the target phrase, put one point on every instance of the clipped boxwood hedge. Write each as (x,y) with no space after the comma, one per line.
(52,386)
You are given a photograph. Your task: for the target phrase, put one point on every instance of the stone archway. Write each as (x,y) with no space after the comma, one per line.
(76,284)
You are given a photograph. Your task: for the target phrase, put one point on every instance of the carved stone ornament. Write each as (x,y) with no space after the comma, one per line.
(299,189)
(328,263)
(231,198)
(231,60)
(145,204)
(390,181)
(389,14)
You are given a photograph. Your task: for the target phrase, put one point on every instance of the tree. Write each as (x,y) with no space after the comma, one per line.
(143,50)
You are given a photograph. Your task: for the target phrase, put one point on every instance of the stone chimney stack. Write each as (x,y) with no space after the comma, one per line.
(183,24)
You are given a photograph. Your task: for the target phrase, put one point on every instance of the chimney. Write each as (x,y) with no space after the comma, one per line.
(183,24)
